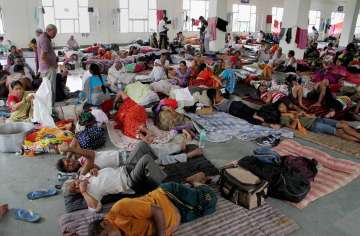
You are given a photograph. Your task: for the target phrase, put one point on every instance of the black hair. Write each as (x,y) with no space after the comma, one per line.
(183,62)
(330,45)
(33,41)
(180,32)
(290,79)
(201,67)
(1,67)
(12,47)
(60,166)
(350,47)
(292,52)
(95,228)
(18,68)
(95,70)
(211,93)
(16,82)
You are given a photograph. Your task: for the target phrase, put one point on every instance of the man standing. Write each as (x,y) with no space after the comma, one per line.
(163,33)
(47,57)
(204,25)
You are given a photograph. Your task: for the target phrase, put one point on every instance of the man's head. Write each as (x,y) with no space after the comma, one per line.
(13,49)
(19,69)
(19,61)
(183,65)
(118,65)
(103,227)
(67,165)
(72,37)
(291,53)
(154,34)
(51,31)
(71,187)
(38,32)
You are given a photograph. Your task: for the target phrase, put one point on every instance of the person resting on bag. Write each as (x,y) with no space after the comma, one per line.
(160,212)
(302,122)
(139,174)
(20,102)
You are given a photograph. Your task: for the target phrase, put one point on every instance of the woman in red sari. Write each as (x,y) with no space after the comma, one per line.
(131,119)
(206,78)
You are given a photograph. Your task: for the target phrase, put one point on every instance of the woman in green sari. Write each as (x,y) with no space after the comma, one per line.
(20,102)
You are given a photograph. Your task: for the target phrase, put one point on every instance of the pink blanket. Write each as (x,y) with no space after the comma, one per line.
(333,173)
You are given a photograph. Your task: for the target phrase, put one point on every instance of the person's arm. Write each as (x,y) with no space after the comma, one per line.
(159,220)
(90,200)
(293,123)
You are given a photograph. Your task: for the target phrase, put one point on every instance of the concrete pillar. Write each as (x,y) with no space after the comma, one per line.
(262,10)
(351,14)
(217,8)
(296,14)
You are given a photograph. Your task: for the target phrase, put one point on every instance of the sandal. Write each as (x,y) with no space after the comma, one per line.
(42,194)
(27,215)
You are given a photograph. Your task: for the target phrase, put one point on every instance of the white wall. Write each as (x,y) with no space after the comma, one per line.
(20,23)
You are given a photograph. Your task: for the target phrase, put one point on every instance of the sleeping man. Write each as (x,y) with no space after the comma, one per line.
(138,174)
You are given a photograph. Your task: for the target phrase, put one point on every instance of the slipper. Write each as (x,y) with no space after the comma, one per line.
(26,215)
(42,194)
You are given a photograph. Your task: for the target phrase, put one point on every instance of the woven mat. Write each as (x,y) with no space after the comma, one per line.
(333,143)
(228,220)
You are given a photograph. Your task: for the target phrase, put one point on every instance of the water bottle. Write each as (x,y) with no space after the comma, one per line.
(202,139)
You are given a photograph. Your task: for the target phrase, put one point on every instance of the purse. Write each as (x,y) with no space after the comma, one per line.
(243,187)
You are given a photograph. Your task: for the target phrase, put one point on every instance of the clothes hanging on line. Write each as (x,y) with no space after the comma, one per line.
(221,24)
(301,38)
(212,28)
(288,35)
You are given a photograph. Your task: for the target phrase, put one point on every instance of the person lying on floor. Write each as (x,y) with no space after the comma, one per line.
(131,119)
(235,108)
(302,121)
(163,154)
(141,173)
(20,102)
(160,70)
(206,78)
(160,212)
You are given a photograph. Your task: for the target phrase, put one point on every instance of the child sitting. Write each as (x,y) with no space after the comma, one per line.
(20,102)
(229,77)
(302,122)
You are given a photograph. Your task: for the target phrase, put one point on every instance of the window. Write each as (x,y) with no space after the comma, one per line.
(2,31)
(314,20)
(244,18)
(337,23)
(193,9)
(277,15)
(137,16)
(69,16)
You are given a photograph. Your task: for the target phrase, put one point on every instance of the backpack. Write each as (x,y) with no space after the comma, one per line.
(307,167)
(243,187)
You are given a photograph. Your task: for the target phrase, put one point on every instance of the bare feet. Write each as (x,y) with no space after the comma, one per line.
(4,208)
(195,153)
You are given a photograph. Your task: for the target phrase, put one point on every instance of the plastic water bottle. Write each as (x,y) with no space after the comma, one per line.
(202,139)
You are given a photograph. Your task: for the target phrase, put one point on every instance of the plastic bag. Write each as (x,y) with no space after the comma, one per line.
(43,105)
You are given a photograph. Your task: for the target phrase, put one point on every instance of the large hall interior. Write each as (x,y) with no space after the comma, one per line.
(179,117)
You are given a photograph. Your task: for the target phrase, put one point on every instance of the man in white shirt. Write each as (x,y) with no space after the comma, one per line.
(163,33)
(139,173)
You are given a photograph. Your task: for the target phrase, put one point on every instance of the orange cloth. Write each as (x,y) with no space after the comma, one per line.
(130,117)
(274,48)
(133,216)
(205,78)
(267,72)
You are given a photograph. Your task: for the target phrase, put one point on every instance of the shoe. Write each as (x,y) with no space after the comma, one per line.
(26,215)
(42,194)
(268,141)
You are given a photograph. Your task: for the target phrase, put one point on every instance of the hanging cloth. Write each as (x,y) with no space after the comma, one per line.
(221,24)
(282,33)
(212,28)
(159,16)
(288,35)
(301,38)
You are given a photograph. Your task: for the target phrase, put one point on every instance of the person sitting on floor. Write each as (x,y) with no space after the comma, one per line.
(134,176)
(182,75)
(19,74)
(278,59)
(62,91)
(72,44)
(153,41)
(302,121)
(159,212)
(160,69)
(131,119)
(29,72)
(219,66)
(20,102)
(312,54)
(206,78)
(263,55)
(196,62)
(290,63)
(115,76)
(229,77)
(95,90)
(297,90)
(4,91)
(347,56)
(14,53)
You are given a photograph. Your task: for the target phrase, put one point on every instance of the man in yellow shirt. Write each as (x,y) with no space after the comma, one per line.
(157,213)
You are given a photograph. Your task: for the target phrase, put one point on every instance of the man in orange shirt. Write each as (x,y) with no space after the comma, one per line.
(159,212)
